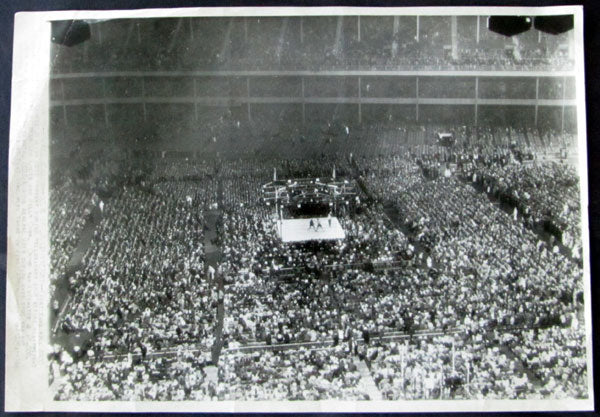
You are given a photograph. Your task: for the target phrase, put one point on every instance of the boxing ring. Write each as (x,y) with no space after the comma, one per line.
(300,230)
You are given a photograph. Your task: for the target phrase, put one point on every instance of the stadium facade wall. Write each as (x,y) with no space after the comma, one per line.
(524,100)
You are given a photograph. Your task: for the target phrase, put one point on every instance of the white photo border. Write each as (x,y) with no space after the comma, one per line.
(27,302)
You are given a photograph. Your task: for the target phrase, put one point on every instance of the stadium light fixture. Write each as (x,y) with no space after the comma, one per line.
(554,25)
(509,25)
(515,25)
(70,32)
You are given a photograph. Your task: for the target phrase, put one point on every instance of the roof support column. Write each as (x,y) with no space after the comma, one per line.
(417,100)
(64,106)
(537,97)
(359,102)
(476,101)
(395,30)
(104,105)
(454,36)
(417,34)
(144,99)
(303,103)
(196,99)
(248,96)
(562,113)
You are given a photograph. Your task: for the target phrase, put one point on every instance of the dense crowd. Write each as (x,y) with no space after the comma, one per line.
(439,288)
(461,272)
(141,288)
(300,374)
(145,301)
(533,188)
(69,210)
(126,379)
(260,44)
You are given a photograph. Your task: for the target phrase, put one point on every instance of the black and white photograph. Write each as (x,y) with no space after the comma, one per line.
(310,206)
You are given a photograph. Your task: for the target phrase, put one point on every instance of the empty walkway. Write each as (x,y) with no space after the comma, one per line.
(366,383)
